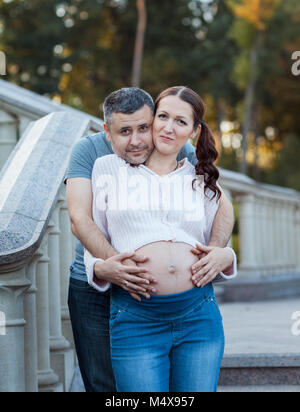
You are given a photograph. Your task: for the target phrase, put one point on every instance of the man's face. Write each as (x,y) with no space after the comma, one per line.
(131,135)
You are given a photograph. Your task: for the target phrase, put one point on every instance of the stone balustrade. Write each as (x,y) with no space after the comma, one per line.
(36,250)
(269,239)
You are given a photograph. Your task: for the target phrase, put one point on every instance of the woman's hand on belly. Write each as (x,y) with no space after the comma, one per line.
(208,267)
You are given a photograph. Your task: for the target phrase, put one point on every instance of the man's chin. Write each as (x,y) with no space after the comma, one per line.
(137,159)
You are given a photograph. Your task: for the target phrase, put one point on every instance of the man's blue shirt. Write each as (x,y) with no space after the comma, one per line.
(82,160)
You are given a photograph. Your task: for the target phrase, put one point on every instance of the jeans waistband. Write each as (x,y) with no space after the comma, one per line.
(166,306)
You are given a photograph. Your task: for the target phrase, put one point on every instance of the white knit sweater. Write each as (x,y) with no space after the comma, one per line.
(134,206)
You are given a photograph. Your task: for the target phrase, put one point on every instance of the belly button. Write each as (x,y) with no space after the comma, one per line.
(172,269)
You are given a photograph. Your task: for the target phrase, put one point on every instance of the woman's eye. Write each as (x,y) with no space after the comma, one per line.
(162,116)
(181,122)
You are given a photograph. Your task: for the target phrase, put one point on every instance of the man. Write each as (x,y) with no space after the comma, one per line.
(128,117)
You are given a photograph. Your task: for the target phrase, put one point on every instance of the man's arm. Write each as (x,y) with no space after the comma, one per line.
(79,201)
(223,223)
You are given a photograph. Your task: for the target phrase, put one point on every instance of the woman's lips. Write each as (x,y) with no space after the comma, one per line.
(166,139)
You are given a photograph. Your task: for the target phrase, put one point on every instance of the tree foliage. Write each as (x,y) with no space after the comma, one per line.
(78,51)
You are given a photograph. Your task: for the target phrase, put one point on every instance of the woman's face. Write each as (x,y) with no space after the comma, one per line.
(173,125)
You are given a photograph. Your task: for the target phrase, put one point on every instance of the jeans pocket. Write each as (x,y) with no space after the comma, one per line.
(115,312)
(216,306)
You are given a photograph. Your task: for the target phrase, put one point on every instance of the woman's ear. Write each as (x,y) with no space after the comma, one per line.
(197,132)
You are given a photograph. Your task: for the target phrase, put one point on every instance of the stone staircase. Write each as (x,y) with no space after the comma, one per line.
(262,352)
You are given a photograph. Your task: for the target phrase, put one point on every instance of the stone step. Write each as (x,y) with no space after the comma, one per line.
(261,389)
(256,370)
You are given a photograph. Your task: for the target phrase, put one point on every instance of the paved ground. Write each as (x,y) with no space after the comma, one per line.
(264,327)
(260,389)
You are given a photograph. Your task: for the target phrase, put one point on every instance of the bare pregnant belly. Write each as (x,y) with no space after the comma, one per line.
(170,264)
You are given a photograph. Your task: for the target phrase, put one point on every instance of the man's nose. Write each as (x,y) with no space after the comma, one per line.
(135,138)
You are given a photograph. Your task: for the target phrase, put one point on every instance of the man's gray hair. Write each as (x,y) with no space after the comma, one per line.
(127,101)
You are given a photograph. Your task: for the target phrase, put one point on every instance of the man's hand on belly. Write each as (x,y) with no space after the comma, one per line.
(145,280)
(123,270)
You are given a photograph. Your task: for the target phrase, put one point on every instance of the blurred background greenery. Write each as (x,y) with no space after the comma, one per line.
(236,53)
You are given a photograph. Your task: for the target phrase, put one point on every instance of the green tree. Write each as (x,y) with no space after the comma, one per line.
(29,36)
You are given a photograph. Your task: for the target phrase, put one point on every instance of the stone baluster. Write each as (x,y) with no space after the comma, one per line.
(280,230)
(260,252)
(248,258)
(31,346)
(66,259)
(277,238)
(47,379)
(271,232)
(266,241)
(13,285)
(285,235)
(293,229)
(58,344)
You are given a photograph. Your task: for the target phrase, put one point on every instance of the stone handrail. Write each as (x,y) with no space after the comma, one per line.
(18,107)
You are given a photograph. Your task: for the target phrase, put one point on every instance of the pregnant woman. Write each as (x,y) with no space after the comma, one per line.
(163,209)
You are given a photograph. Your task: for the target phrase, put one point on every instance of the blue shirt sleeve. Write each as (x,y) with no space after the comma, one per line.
(82,160)
(84,154)
(188,151)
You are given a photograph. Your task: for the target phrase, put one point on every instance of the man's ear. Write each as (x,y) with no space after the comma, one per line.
(107,132)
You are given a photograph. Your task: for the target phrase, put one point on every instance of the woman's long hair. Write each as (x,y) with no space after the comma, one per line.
(206,151)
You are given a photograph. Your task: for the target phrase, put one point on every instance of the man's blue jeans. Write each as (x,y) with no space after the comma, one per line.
(89,312)
(171,343)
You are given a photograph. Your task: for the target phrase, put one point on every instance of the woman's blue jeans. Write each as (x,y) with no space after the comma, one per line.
(170,343)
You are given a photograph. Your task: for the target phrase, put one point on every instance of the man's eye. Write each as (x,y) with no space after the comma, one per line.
(125,132)
(144,128)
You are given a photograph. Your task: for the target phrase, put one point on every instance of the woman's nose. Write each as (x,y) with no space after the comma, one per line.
(169,126)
